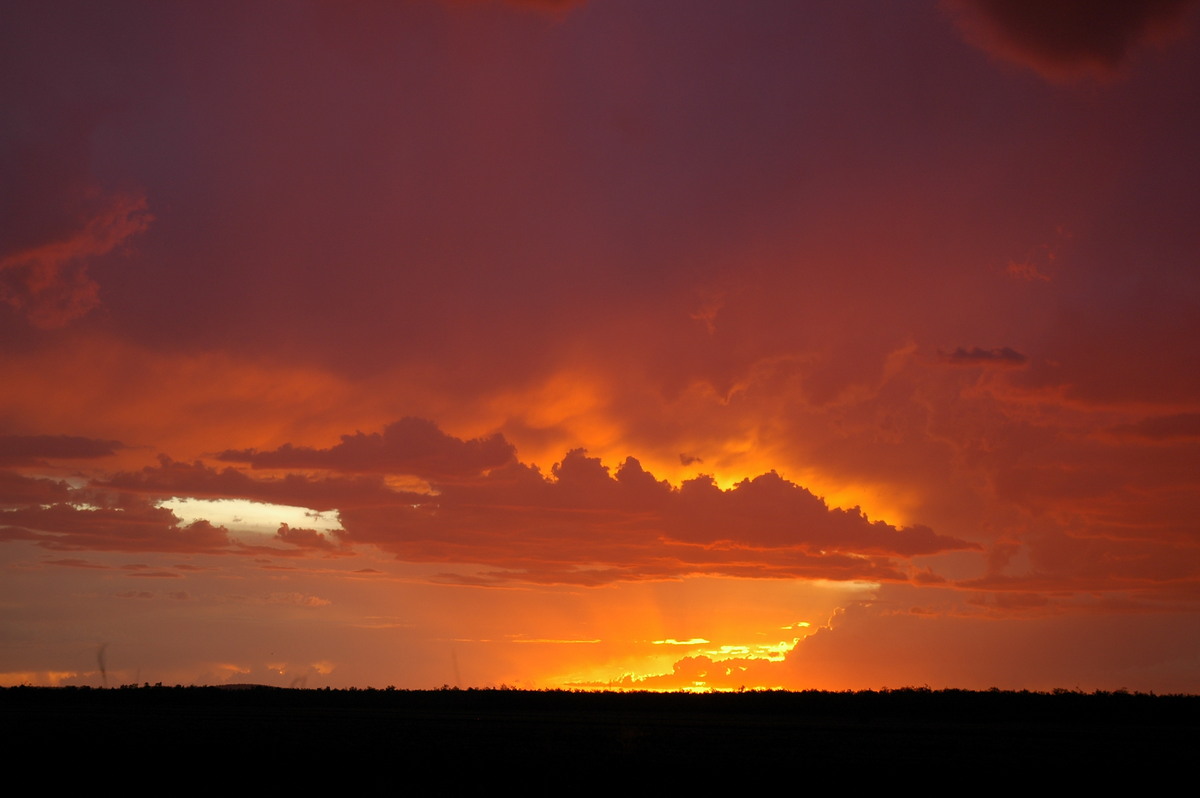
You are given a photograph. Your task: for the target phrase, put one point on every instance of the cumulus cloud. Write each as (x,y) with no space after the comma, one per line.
(126,526)
(582,523)
(412,446)
(1063,39)
(585,525)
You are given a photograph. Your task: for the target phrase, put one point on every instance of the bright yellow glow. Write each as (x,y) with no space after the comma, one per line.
(850,586)
(769,651)
(231,670)
(257,518)
(877,502)
(655,635)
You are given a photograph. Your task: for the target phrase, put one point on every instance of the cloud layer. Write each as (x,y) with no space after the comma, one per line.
(432,342)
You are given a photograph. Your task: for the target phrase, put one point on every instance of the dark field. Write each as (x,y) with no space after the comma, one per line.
(382,738)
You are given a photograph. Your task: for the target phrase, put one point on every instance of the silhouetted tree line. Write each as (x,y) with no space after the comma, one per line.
(543,739)
(912,704)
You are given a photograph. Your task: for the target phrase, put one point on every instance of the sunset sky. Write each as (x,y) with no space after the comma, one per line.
(646,344)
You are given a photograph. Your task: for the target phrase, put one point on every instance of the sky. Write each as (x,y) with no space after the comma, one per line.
(615,344)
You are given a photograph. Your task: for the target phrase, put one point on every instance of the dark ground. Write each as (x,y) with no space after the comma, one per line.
(371,739)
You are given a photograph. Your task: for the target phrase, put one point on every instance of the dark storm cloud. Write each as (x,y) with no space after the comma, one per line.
(196,480)
(16,490)
(29,449)
(410,446)
(1063,37)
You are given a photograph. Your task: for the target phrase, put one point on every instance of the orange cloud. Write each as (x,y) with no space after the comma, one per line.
(135,394)
(654,314)
(579,524)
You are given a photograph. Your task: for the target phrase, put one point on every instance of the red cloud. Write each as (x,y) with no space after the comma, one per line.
(548,5)
(49,283)
(1066,38)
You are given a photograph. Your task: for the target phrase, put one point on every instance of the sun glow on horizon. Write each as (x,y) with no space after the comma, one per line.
(734,631)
